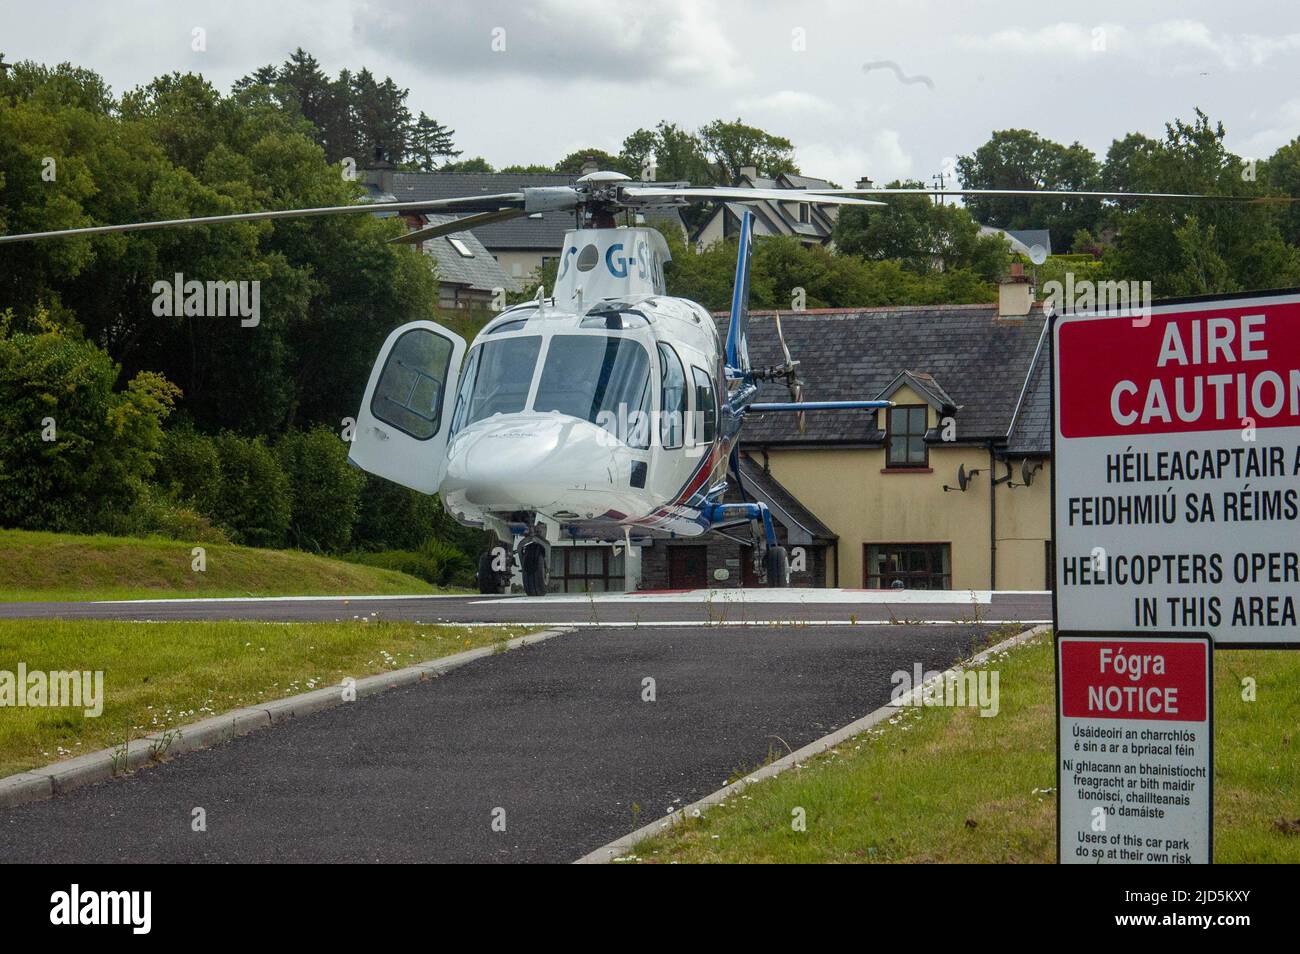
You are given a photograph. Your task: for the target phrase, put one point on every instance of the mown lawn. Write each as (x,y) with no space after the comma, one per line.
(56,566)
(161,675)
(945,785)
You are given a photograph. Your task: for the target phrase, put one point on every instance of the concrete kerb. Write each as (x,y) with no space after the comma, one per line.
(623,846)
(62,777)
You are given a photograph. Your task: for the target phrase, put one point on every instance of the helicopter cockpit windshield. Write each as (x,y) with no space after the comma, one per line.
(602,379)
(496,379)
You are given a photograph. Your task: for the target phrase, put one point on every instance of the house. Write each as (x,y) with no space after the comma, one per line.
(811,224)
(521,246)
(949,489)
(469,276)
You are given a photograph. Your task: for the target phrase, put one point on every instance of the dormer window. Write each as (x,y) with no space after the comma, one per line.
(905,436)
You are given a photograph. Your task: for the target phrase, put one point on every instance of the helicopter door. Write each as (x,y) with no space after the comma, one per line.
(401,429)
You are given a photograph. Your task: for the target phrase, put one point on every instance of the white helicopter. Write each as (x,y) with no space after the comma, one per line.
(606,411)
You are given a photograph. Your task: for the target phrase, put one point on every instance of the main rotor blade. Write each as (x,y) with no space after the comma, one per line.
(1063,194)
(476,203)
(458,225)
(733,194)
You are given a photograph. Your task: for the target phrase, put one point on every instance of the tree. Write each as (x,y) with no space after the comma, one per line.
(1022,159)
(922,235)
(1196,247)
(74,452)
(573,163)
(430,141)
(474,164)
(733,145)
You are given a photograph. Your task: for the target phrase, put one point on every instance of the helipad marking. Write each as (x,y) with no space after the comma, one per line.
(765,595)
(280,599)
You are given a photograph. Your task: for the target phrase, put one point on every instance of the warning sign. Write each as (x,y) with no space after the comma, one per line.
(1176,469)
(1135,749)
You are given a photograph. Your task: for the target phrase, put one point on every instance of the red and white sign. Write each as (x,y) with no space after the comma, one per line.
(1176,470)
(1135,749)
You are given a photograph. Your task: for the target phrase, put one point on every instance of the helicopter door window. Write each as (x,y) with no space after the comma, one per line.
(496,379)
(601,379)
(706,407)
(672,385)
(409,393)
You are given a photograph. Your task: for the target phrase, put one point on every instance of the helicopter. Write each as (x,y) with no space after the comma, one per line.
(607,410)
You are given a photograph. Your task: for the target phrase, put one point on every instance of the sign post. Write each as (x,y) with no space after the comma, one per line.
(1135,749)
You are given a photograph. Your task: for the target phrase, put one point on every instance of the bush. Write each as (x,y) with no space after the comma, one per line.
(156,514)
(255,499)
(189,469)
(74,453)
(326,489)
(434,562)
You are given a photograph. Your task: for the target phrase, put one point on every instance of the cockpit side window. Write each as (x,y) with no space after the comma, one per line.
(706,407)
(672,385)
(496,379)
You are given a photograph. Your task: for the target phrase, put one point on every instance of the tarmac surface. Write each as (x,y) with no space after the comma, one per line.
(555,738)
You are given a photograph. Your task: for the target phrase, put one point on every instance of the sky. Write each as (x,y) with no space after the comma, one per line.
(878,89)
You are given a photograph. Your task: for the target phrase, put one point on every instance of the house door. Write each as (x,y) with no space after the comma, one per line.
(688,568)
(747,575)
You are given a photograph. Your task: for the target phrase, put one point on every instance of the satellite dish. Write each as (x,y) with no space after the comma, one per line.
(1026,472)
(1037,254)
(962,477)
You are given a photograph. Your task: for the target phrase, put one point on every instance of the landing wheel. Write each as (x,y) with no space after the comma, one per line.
(489,580)
(534,561)
(777,564)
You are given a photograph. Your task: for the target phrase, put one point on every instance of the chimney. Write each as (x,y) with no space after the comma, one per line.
(589,165)
(864,183)
(749,172)
(1015,293)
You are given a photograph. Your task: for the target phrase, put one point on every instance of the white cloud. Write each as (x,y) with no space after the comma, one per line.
(881,157)
(785,102)
(1179,45)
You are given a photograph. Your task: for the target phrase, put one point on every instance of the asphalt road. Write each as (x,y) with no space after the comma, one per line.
(733,606)
(555,734)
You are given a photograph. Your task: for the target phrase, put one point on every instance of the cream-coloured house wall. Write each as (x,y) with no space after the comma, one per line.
(852,492)
(527,262)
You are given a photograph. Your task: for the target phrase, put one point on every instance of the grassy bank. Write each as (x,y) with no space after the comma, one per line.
(56,566)
(945,785)
(160,675)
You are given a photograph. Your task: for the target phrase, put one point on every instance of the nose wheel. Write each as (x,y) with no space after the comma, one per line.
(533,558)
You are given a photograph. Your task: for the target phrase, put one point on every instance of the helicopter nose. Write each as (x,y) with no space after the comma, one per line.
(533,462)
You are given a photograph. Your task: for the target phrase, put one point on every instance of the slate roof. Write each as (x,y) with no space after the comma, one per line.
(777,220)
(482,272)
(853,354)
(544,234)
(1032,433)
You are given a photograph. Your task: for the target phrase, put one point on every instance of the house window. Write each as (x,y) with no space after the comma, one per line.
(586,569)
(905,436)
(461,248)
(907,566)
(805,213)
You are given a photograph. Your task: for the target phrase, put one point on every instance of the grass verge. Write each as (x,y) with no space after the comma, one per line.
(57,566)
(945,785)
(161,675)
